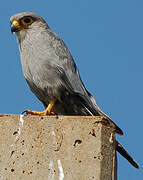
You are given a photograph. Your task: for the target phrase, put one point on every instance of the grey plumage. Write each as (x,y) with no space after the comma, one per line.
(50,71)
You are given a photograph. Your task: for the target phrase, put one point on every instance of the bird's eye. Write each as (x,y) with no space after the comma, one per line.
(26,21)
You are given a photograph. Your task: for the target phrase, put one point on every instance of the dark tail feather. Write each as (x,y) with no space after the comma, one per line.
(125,154)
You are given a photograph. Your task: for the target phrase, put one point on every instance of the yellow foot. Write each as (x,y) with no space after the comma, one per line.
(43,113)
(47,111)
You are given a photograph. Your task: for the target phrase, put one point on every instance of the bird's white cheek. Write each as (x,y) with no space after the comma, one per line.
(20,35)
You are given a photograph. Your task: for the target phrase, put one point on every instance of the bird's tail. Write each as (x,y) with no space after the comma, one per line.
(125,154)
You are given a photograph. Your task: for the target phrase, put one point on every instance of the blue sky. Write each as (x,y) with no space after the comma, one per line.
(106,41)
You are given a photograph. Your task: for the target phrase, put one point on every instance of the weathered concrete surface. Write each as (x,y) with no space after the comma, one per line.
(55,148)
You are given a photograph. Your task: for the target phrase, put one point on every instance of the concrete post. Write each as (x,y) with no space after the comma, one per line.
(56,148)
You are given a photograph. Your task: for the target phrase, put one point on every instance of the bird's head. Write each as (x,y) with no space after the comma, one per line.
(22,23)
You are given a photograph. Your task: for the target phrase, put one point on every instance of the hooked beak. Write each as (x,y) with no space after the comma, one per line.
(15,26)
(14,29)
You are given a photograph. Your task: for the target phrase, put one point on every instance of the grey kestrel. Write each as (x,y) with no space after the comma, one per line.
(51,72)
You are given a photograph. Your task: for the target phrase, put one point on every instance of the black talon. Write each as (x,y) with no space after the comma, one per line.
(24,112)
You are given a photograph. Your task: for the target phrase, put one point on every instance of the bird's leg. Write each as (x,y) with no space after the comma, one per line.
(47,111)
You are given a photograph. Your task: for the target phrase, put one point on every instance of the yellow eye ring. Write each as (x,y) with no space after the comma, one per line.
(26,21)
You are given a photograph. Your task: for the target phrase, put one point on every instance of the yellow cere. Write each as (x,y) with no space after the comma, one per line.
(15,23)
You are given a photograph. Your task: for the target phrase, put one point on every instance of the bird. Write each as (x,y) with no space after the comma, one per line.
(52,74)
